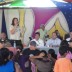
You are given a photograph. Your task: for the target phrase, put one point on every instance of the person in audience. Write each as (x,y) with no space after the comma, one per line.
(5,40)
(32,52)
(69,54)
(20,58)
(37,39)
(63,64)
(52,56)
(15,30)
(42,32)
(64,43)
(43,64)
(66,36)
(7,65)
(70,48)
(70,38)
(58,35)
(70,45)
(54,41)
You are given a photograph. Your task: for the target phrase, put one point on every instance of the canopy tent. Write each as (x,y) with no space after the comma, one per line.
(30,3)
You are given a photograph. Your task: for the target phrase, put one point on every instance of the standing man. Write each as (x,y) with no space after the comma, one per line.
(42,32)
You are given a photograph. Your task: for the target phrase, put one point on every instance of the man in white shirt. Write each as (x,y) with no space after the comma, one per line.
(54,41)
(38,41)
(70,38)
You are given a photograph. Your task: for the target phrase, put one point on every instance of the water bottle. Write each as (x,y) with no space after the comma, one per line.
(14,44)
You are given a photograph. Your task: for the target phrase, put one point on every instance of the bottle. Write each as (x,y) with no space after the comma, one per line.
(14,44)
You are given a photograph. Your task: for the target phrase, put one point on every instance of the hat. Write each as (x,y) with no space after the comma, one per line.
(33,43)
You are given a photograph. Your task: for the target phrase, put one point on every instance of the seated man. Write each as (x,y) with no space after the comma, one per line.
(54,41)
(38,41)
(4,40)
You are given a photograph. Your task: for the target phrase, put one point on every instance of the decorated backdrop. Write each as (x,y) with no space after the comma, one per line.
(31,19)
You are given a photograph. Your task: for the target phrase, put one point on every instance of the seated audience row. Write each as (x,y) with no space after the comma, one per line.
(53,42)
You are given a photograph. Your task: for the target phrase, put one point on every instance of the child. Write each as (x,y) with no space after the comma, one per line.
(63,64)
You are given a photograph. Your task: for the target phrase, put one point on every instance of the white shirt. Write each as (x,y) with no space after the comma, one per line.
(68,39)
(39,42)
(16,35)
(53,42)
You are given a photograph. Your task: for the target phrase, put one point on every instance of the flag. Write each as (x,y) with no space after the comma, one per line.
(21,22)
(4,29)
(66,9)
